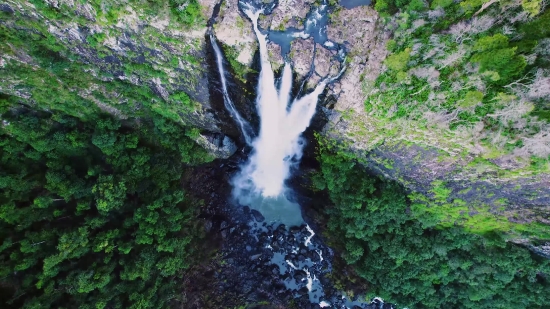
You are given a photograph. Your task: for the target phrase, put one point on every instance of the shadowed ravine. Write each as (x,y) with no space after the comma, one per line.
(275,221)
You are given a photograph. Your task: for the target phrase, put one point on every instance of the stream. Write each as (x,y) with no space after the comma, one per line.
(268,233)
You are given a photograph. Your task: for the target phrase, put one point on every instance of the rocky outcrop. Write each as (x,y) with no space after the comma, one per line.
(217,145)
(234,30)
(287,14)
(130,44)
(138,46)
(357,29)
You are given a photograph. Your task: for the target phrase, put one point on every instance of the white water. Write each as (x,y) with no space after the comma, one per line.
(245,127)
(279,143)
(261,181)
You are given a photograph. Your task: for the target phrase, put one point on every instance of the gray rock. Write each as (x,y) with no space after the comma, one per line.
(257,215)
(6,8)
(218,145)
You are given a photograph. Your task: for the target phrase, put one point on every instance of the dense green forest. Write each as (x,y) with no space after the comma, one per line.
(416,265)
(93,212)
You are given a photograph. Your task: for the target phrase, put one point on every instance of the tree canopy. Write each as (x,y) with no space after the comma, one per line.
(415,266)
(92,211)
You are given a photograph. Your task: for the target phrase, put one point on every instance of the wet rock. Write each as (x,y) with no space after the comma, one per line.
(301,54)
(235,30)
(257,215)
(274,54)
(288,13)
(218,145)
(300,275)
(303,291)
(325,62)
(208,226)
(6,8)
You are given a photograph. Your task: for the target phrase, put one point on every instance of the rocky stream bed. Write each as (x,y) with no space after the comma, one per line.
(260,264)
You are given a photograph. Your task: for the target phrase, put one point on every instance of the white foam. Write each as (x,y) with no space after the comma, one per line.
(245,127)
(279,143)
(308,239)
(290,264)
(309,283)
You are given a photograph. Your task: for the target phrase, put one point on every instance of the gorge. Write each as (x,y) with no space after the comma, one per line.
(274,154)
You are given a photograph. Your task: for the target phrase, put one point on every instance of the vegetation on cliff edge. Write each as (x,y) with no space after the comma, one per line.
(415,264)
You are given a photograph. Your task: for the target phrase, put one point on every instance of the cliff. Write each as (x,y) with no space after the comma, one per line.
(461,167)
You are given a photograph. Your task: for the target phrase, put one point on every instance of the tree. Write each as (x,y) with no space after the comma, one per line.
(494,54)
(92,214)
(398,61)
(415,264)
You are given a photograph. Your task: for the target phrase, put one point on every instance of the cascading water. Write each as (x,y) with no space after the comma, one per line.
(279,143)
(278,146)
(243,124)
(261,182)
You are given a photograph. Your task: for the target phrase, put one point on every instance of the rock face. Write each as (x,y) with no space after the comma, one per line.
(288,13)
(130,44)
(218,145)
(234,30)
(150,48)
(356,29)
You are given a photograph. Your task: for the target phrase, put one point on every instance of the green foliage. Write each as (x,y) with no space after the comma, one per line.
(538,28)
(240,70)
(382,6)
(96,39)
(472,98)
(418,266)
(489,43)
(187,11)
(92,211)
(494,55)
(417,5)
(531,6)
(390,45)
(398,61)
(441,3)
(472,5)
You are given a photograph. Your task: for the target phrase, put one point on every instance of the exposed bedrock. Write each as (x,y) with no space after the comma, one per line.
(155,51)
(415,164)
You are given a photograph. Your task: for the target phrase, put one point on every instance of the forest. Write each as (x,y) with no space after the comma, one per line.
(417,265)
(93,212)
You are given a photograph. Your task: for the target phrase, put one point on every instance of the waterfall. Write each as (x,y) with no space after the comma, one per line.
(243,124)
(279,143)
(278,146)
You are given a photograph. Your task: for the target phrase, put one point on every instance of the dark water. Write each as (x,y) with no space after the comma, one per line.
(314,26)
(350,4)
